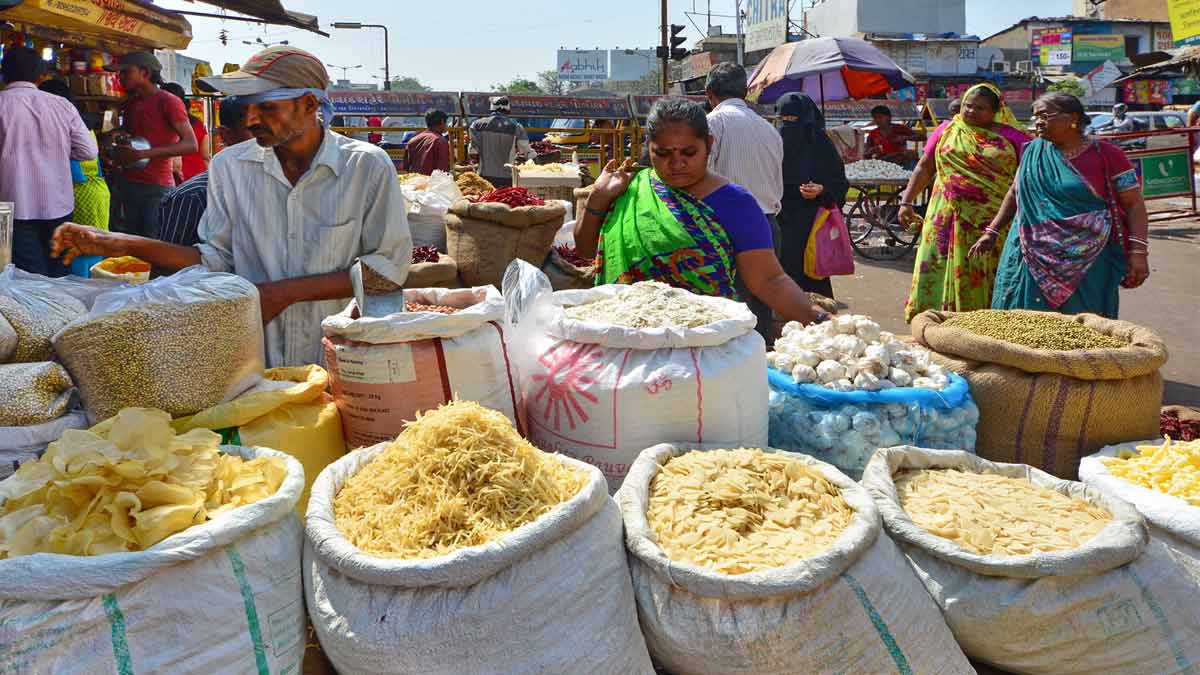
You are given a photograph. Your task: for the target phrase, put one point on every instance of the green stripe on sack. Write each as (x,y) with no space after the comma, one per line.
(1164,625)
(116,625)
(239,573)
(881,626)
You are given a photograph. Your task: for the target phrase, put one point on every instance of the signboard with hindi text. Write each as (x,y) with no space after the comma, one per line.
(478,104)
(1185,21)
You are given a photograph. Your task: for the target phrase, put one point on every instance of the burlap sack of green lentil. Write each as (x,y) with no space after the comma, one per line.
(1050,408)
(484,238)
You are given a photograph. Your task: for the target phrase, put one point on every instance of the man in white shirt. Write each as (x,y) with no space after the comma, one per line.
(290,211)
(748,151)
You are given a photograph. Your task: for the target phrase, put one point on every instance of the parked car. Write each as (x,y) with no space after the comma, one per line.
(1146,121)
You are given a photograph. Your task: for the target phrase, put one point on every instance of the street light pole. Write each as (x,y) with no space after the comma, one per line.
(345,70)
(741,39)
(354,25)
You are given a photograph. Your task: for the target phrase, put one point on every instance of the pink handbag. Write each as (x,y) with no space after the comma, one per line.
(834,255)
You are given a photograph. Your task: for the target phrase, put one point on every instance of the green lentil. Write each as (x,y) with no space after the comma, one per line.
(35,315)
(1038,330)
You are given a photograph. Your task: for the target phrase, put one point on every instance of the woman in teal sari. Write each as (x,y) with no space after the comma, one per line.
(683,225)
(1081,228)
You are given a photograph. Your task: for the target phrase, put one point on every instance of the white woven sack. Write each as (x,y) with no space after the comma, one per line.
(22,444)
(1117,604)
(221,597)
(603,393)
(855,608)
(1171,519)
(386,369)
(552,596)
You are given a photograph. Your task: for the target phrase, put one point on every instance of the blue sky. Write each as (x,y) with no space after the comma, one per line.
(473,44)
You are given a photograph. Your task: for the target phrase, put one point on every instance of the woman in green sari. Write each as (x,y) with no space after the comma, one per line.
(683,225)
(1081,225)
(971,160)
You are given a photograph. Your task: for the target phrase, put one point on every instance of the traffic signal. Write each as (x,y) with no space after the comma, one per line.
(677,54)
(674,52)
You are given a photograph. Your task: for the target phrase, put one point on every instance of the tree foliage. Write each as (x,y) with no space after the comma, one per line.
(1070,85)
(406,83)
(519,86)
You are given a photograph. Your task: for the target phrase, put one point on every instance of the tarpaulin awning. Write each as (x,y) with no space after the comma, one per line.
(270,11)
(125,23)
(1184,60)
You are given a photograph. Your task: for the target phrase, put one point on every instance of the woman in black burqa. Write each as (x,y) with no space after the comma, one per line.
(813,176)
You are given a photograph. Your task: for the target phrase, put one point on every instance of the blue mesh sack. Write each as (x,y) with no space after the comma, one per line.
(845,428)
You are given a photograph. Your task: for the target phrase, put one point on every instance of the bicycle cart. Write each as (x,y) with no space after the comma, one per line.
(873,219)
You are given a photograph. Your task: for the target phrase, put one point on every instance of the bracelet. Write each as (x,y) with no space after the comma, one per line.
(1140,251)
(908,204)
(1143,242)
(595,212)
(993,231)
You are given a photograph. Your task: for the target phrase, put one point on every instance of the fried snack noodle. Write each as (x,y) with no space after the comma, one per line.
(458,476)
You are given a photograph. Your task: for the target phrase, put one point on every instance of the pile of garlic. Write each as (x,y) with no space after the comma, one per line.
(852,353)
(876,169)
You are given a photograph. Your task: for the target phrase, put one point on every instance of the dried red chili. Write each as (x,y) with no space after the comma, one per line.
(512,196)
(425,254)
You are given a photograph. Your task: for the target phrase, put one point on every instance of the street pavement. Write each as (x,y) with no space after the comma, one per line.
(1169,302)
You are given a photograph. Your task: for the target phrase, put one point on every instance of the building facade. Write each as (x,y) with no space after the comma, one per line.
(830,18)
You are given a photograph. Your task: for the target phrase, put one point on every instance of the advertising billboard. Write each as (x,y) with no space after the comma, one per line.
(766,24)
(582,65)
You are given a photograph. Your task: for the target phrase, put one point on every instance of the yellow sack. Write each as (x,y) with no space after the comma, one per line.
(810,249)
(298,418)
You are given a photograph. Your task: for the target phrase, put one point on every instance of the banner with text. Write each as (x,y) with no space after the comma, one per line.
(1185,21)
(766,24)
(1098,48)
(582,65)
(1051,46)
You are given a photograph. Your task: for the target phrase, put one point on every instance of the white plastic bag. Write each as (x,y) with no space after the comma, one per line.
(32,309)
(181,344)
(1171,519)
(23,444)
(221,597)
(855,608)
(603,393)
(552,596)
(1117,604)
(427,200)
(385,370)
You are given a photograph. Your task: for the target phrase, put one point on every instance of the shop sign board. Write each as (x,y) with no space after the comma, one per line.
(117,17)
(478,104)
(398,103)
(765,25)
(1052,46)
(1163,39)
(1151,92)
(1165,174)
(1185,21)
(582,65)
(1098,48)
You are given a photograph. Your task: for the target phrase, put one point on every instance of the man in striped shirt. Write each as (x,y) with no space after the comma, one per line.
(181,208)
(747,150)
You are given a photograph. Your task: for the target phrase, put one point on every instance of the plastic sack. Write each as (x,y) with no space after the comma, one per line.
(603,393)
(34,393)
(845,428)
(828,252)
(224,596)
(23,444)
(32,309)
(1118,604)
(427,199)
(1171,519)
(385,370)
(855,608)
(288,411)
(180,344)
(552,596)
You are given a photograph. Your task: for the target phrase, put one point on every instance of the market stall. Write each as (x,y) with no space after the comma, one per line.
(593,127)
(409,106)
(464,454)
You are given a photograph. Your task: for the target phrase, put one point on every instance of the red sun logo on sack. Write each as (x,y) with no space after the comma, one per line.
(564,386)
